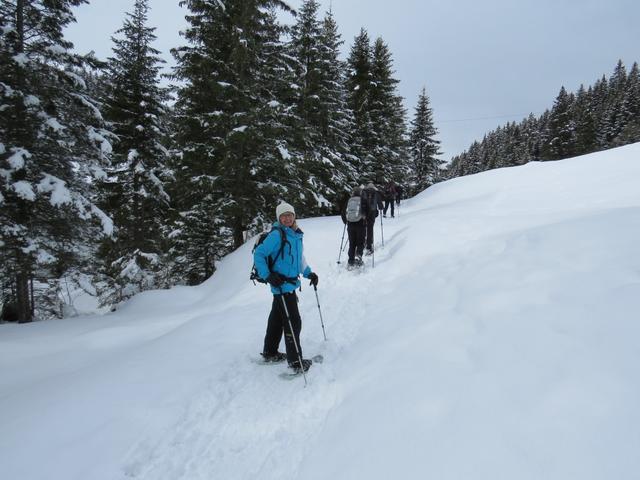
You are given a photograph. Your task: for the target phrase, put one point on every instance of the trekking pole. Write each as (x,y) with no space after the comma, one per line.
(293,335)
(320,311)
(382,231)
(342,242)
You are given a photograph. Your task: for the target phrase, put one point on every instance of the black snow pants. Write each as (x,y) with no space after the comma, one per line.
(278,324)
(357,232)
(371,221)
(387,203)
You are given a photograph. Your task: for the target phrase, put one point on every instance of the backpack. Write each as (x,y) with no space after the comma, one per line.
(354,211)
(372,202)
(254,276)
(390,191)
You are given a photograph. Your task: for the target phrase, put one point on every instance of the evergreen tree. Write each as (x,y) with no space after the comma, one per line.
(320,103)
(387,117)
(134,192)
(336,119)
(305,48)
(232,160)
(582,112)
(560,135)
(424,145)
(630,132)
(52,142)
(359,87)
(614,117)
(337,122)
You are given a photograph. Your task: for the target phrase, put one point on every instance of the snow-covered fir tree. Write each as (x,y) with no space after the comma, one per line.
(338,121)
(560,133)
(134,192)
(387,117)
(424,145)
(630,130)
(585,125)
(379,134)
(52,144)
(320,98)
(305,48)
(233,157)
(359,85)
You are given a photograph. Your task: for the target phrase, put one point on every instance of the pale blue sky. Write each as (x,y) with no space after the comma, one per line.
(478,59)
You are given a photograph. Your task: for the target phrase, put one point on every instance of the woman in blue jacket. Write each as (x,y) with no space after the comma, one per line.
(279,260)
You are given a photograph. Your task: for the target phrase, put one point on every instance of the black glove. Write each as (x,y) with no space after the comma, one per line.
(314,279)
(275,279)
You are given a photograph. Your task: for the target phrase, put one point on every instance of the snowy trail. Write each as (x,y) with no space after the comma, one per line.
(496,337)
(248,416)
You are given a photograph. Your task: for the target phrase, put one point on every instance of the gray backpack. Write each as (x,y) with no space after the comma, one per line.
(354,210)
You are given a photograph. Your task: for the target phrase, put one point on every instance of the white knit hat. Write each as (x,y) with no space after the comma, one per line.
(284,207)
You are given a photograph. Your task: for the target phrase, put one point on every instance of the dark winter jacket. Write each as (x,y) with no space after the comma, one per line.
(390,191)
(374,202)
(291,263)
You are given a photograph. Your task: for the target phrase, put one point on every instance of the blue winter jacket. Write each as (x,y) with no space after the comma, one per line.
(290,263)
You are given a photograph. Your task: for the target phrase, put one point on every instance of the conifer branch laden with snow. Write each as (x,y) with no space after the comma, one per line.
(52,143)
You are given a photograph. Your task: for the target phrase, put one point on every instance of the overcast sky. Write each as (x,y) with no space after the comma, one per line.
(483,62)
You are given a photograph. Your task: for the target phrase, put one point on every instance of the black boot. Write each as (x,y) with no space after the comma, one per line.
(306,364)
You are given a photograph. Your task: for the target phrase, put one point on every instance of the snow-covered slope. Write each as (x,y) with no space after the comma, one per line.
(497,337)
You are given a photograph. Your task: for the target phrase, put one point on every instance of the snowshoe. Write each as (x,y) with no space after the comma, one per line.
(306,365)
(295,370)
(273,357)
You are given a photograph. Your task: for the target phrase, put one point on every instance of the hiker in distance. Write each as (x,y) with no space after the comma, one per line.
(354,215)
(389,198)
(279,260)
(399,194)
(374,203)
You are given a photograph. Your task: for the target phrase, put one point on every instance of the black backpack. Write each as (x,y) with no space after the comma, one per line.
(371,197)
(254,276)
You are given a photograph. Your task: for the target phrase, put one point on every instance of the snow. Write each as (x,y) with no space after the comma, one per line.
(85,101)
(240,129)
(77,79)
(60,194)
(24,190)
(31,101)
(21,59)
(105,145)
(496,337)
(57,49)
(17,159)
(105,221)
(44,257)
(284,153)
(54,124)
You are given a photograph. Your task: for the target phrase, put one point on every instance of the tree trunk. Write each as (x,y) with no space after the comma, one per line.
(238,232)
(22,297)
(20,25)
